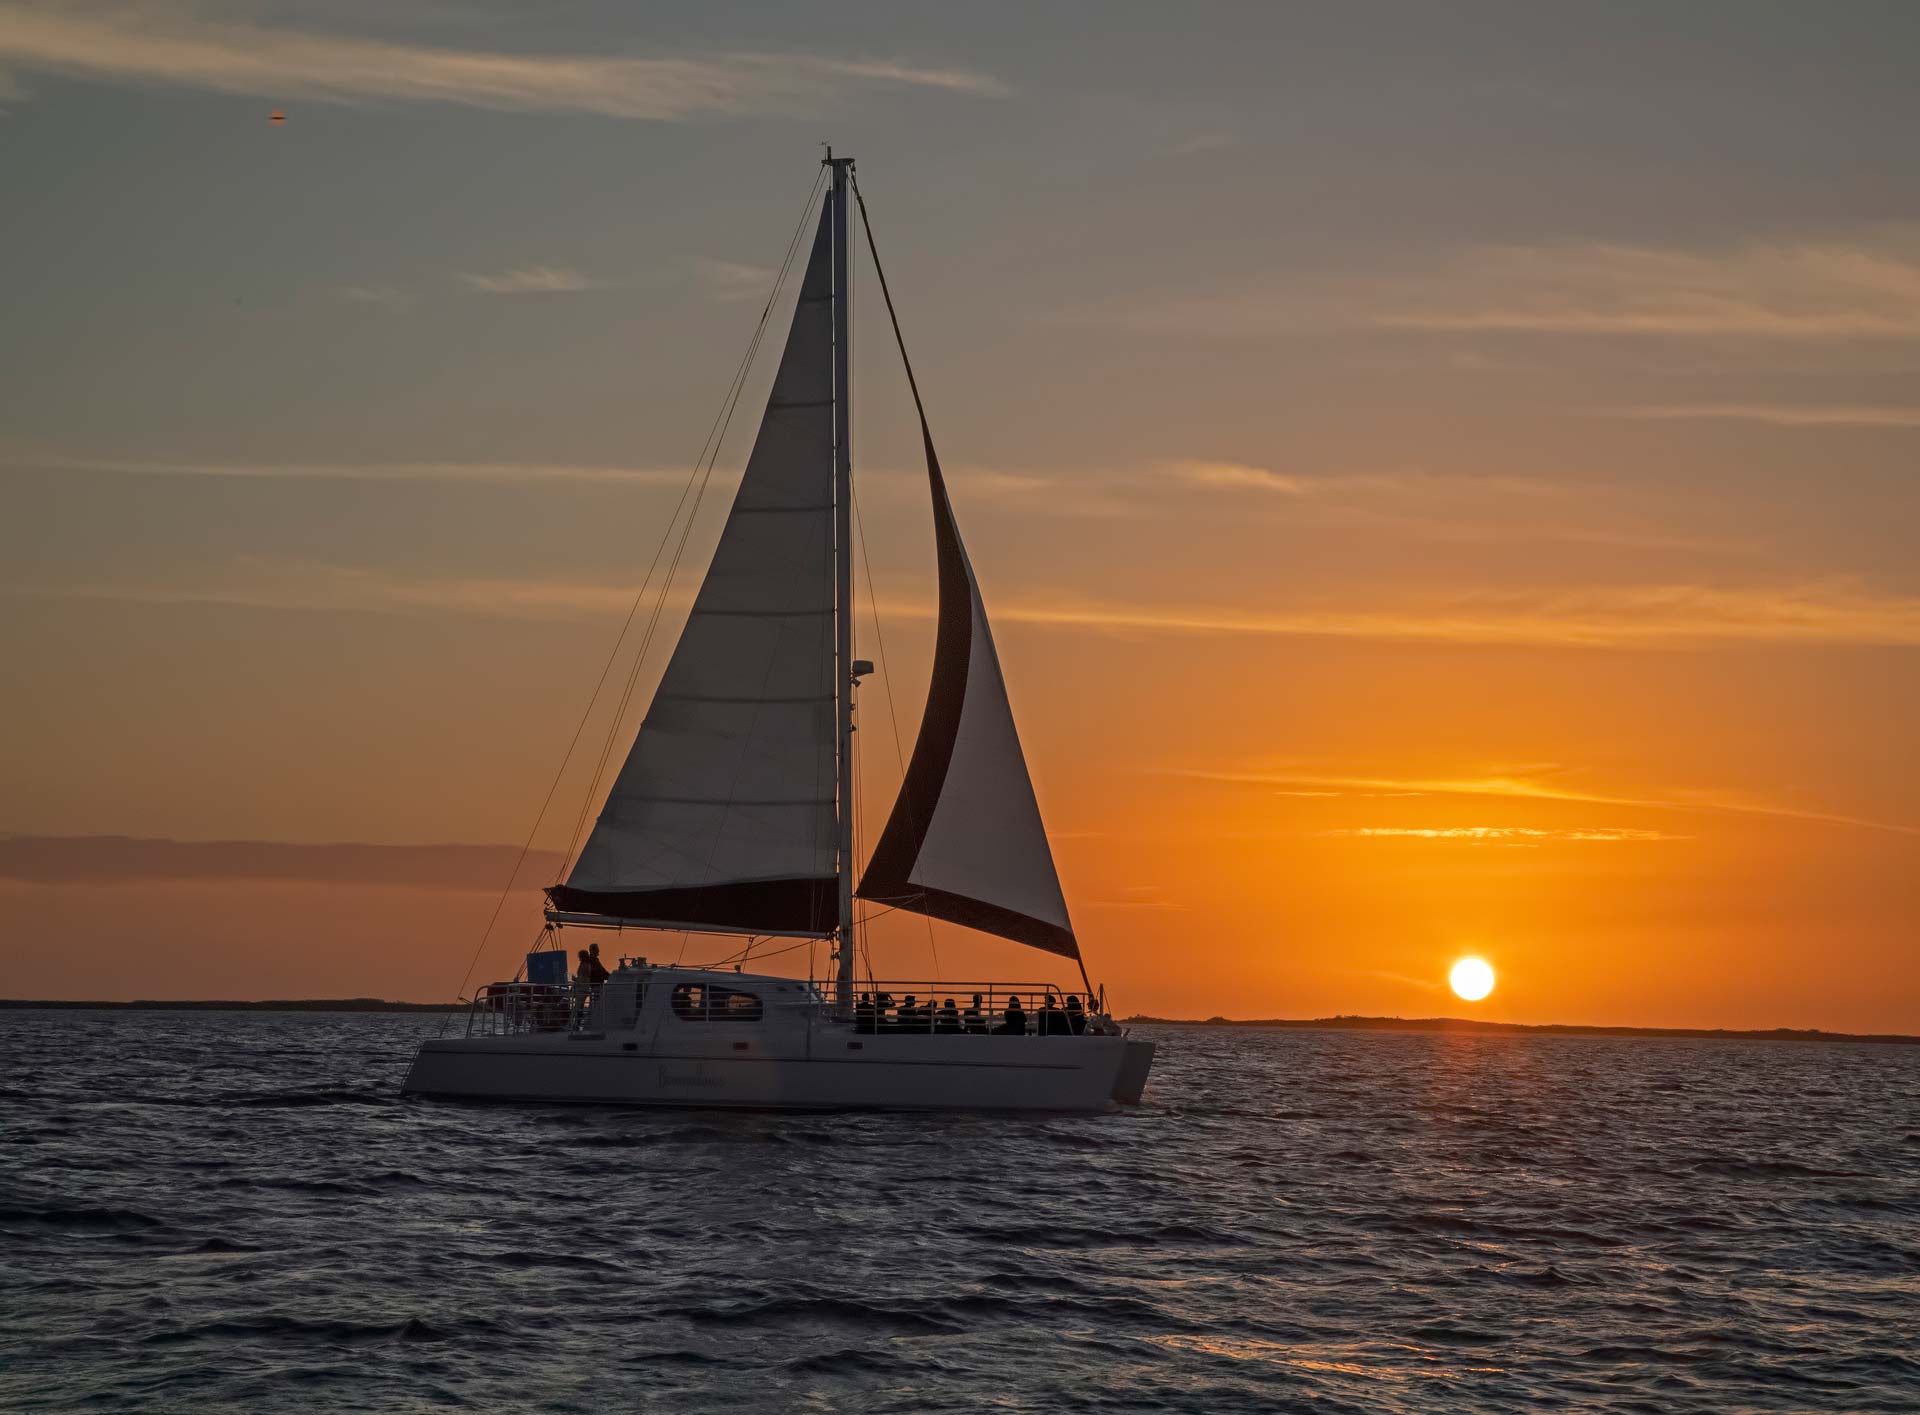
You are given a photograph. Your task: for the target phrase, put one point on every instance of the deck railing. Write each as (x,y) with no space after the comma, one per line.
(881,1007)
(979,1008)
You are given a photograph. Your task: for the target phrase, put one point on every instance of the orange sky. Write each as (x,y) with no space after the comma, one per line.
(1441,497)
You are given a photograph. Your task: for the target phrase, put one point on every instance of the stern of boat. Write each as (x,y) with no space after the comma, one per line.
(1135,1062)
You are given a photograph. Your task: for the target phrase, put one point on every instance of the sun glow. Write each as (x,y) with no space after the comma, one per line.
(1471,978)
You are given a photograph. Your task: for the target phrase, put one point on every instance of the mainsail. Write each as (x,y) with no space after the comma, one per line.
(965,842)
(723,816)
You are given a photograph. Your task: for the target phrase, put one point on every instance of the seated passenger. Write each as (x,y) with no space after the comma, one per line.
(1076,1014)
(1015,1020)
(949,1019)
(908,1019)
(863,1013)
(883,1012)
(975,1021)
(1052,1022)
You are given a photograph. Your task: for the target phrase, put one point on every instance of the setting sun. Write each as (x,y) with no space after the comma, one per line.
(1471,978)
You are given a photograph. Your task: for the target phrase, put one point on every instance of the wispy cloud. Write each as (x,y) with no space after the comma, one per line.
(1451,506)
(1521,835)
(155,44)
(1782,415)
(373,295)
(1240,475)
(113,859)
(1534,782)
(732,280)
(1606,617)
(1217,140)
(1862,285)
(504,473)
(1632,617)
(532,280)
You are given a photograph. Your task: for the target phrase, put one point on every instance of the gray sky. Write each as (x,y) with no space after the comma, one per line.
(1291,361)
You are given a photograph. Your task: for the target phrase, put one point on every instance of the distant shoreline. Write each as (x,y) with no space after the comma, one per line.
(1321,1024)
(310,1004)
(1550,1029)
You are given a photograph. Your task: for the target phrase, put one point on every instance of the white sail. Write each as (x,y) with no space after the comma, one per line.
(965,840)
(723,815)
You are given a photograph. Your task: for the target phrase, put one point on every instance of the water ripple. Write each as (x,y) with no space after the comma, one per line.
(235,1212)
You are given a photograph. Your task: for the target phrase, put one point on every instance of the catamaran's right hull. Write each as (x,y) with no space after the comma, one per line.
(1079,1073)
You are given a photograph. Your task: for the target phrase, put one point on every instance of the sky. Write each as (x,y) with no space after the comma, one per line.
(1443,478)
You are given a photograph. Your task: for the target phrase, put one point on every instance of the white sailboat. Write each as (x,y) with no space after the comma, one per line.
(733,814)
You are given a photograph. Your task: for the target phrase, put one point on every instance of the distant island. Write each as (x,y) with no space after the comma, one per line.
(296,1004)
(1339,1024)
(1465,1024)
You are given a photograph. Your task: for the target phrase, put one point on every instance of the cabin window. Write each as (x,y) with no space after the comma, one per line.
(709,1002)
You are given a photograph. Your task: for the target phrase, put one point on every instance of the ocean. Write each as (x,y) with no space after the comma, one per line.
(229,1211)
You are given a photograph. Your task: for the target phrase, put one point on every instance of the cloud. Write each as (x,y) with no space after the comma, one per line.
(166,45)
(731,280)
(1521,835)
(532,280)
(373,295)
(1860,285)
(1835,612)
(1640,617)
(1533,782)
(113,859)
(1239,475)
(1216,141)
(1782,415)
(504,473)
(1451,506)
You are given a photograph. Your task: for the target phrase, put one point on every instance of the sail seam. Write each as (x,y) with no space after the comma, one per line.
(699,698)
(699,613)
(719,801)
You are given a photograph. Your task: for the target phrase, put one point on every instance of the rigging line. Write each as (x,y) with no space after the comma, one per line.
(899,339)
(731,400)
(716,435)
(892,317)
(709,454)
(803,943)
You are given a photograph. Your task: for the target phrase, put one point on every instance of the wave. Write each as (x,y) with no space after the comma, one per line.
(322,1333)
(79,1218)
(1739,1167)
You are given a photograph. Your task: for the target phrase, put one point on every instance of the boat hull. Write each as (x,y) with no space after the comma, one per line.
(1080,1073)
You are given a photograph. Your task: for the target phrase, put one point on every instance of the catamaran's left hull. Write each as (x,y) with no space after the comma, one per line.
(1081,1073)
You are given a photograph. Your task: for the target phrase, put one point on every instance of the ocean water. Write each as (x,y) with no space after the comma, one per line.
(235,1212)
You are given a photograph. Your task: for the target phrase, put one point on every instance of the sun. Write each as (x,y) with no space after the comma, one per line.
(1472,978)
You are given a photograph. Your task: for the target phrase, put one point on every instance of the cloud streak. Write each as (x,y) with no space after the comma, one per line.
(1512,835)
(116,859)
(500,473)
(1780,415)
(1858,285)
(1831,614)
(732,280)
(1531,783)
(152,45)
(532,280)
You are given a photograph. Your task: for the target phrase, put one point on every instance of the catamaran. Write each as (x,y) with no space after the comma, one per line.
(734,815)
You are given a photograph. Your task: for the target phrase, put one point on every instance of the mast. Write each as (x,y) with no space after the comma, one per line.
(843,572)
